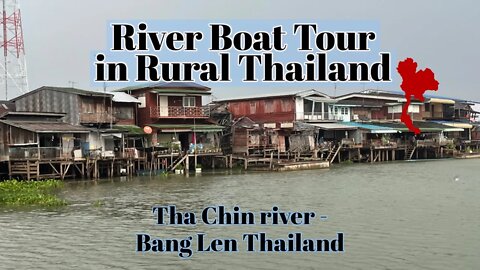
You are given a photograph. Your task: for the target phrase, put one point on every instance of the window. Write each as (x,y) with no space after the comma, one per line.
(189,102)
(123,112)
(142,100)
(427,107)
(307,106)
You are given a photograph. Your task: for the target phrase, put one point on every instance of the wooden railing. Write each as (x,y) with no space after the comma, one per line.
(179,112)
(36,153)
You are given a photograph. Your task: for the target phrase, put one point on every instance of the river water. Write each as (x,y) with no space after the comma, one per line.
(404,215)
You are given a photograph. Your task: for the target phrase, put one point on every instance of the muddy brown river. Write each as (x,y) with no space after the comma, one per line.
(403,215)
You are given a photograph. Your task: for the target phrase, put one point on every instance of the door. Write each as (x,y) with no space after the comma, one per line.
(163,105)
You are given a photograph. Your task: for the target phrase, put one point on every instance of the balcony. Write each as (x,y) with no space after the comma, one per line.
(317,116)
(37,153)
(96,118)
(179,112)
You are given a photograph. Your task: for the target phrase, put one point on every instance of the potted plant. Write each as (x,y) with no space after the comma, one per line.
(198,168)
(176,147)
(179,169)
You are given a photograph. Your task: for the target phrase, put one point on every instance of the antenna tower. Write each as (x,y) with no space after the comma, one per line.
(13,68)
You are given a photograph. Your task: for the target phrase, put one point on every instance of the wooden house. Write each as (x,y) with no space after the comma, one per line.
(36,144)
(174,112)
(99,111)
(378,105)
(281,109)
(82,107)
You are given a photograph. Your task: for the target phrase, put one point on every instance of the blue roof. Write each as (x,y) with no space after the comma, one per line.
(372,128)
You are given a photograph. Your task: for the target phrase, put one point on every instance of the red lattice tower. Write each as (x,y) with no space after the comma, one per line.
(14,77)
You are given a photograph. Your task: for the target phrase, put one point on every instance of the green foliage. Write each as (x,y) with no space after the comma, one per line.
(180,167)
(98,203)
(14,192)
(451,146)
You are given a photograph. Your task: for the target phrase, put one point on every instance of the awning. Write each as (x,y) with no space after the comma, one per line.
(372,128)
(441,101)
(319,99)
(46,126)
(424,126)
(111,135)
(169,128)
(333,126)
(457,126)
(129,130)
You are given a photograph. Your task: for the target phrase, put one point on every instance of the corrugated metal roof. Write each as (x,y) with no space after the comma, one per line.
(121,97)
(183,92)
(46,126)
(424,126)
(372,128)
(187,127)
(39,114)
(165,85)
(65,90)
(130,129)
(459,125)
(304,93)
(333,126)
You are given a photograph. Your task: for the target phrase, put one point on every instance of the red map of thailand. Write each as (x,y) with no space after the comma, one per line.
(414,83)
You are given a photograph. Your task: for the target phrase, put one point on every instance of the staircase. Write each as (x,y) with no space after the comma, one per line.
(333,152)
(409,152)
(177,162)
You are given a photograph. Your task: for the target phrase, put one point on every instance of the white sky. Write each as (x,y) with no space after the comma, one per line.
(443,35)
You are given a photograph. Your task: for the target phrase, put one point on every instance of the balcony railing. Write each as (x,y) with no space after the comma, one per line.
(318,116)
(179,112)
(39,153)
(96,118)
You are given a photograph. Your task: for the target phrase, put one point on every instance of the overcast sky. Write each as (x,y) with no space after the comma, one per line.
(59,35)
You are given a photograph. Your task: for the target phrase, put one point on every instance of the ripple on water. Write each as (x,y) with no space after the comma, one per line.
(394,216)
